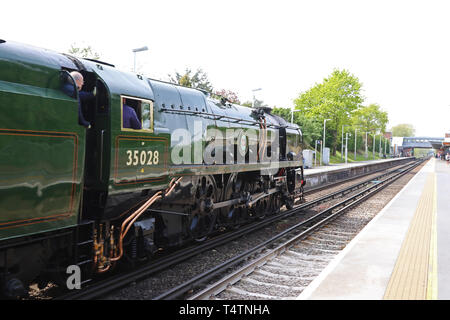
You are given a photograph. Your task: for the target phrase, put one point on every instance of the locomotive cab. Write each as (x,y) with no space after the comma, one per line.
(124,163)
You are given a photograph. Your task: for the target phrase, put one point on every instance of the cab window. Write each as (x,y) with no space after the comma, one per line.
(137,114)
(147,120)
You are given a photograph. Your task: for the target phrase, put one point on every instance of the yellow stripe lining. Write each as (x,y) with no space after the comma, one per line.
(414,276)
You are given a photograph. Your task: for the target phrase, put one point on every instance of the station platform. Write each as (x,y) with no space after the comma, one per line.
(403,253)
(339,166)
(323,175)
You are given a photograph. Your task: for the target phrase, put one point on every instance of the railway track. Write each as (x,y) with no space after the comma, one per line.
(103,287)
(278,245)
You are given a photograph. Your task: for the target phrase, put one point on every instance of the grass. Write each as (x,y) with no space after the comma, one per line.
(350,157)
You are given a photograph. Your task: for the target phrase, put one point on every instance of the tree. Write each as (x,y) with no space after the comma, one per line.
(403,130)
(229,95)
(83,52)
(256,104)
(285,113)
(335,99)
(311,128)
(370,118)
(198,81)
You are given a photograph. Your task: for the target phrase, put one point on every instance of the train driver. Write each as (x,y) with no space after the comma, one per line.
(83,96)
(130,118)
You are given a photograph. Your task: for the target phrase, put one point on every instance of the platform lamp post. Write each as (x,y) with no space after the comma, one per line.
(355,142)
(253,101)
(381,136)
(366,154)
(292,115)
(342,141)
(346,145)
(138,50)
(374,140)
(323,144)
(373,148)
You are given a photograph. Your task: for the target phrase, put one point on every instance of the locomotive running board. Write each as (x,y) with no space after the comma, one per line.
(168,212)
(248,201)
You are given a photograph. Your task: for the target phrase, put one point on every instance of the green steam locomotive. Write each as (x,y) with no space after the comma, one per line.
(80,187)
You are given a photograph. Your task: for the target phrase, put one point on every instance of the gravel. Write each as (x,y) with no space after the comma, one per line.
(285,276)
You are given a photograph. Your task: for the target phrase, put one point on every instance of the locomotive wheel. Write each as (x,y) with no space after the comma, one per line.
(289,202)
(275,203)
(228,214)
(203,217)
(262,208)
(234,215)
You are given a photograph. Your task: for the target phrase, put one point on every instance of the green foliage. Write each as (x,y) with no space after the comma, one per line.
(199,80)
(283,112)
(256,104)
(370,119)
(311,128)
(351,158)
(335,99)
(229,95)
(83,52)
(403,130)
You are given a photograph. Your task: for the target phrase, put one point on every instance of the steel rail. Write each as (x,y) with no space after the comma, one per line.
(115,282)
(340,181)
(328,215)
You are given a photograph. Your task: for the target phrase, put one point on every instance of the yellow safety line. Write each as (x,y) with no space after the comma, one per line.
(414,275)
(432,289)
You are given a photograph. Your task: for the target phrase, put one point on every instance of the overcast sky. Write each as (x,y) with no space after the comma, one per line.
(399,50)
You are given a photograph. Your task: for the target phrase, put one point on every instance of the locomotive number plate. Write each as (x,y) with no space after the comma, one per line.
(143,158)
(140,160)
